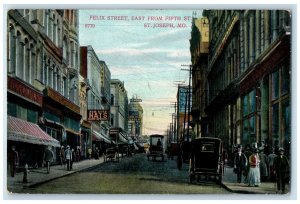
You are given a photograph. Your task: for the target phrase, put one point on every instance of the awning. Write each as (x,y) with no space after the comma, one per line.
(73,132)
(123,138)
(23,131)
(98,137)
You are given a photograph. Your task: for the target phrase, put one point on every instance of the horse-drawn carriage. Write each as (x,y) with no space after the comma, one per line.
(111,154)
(156,147)
(206,159)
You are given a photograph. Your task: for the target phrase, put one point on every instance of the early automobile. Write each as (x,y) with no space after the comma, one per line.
(156,147)
(206,159)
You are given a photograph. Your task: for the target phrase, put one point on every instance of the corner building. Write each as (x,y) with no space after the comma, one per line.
(249,67)
(42,74)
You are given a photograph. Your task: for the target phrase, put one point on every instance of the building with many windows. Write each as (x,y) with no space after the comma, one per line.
(42,74)
(199,54)
(118,112)
(249,66)
(135,119)
(98,96)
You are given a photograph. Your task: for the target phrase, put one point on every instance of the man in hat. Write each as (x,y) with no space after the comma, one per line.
(281,167)
(68,156)
(48,158)
(240,163)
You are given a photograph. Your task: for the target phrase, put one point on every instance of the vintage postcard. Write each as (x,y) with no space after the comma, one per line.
(149,101)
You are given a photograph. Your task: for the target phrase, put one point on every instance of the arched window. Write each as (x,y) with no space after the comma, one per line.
(27,61)
(65,49)
(33,62)
(54,30)
(50,27)
(20,56)
(11,49)
(58,33)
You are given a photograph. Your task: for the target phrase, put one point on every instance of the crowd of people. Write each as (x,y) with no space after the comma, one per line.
(255,166)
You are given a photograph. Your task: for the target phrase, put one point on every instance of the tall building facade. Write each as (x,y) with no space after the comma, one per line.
(199,55)
(118,112)
(249,66)
(135,119)
(98,78)
(183,114)
(42,69)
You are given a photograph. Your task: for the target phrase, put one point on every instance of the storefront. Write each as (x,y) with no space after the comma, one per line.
(29,139)
(62,118)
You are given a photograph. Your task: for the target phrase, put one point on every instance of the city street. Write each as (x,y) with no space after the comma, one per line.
(132,175)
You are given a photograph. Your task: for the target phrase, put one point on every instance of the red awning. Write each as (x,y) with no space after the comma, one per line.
(24,131)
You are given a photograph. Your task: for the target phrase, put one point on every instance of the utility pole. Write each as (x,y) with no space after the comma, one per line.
(174,121)
(189,99)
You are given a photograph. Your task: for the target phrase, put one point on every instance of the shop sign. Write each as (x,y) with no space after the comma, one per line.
(98,115)
(24,90)
(135,100)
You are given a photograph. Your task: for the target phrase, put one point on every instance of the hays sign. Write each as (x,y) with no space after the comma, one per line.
(98,115)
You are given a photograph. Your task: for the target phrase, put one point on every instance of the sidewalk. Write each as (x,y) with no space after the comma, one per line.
(229,182)
(39,176)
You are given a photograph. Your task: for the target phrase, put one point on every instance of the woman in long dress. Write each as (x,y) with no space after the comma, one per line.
(254,173)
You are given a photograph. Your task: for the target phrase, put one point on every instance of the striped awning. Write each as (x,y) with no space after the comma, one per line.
(99,137)
(23,131)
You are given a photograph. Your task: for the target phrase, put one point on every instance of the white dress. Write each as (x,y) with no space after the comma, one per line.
(254,173)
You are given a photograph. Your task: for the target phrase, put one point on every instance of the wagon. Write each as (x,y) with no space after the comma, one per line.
(156,150)
(206,159)
(111,154)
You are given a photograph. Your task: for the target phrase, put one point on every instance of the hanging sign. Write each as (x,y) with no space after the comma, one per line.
(97,115)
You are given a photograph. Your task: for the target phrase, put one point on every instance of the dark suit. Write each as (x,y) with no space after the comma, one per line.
(240,163)
(281,167)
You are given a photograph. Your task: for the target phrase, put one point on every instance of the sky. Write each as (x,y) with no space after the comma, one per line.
(145,49)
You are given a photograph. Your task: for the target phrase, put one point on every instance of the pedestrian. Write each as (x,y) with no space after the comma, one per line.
(90,153)
(263,164)
(48,158)
(97,153)
(13,160)
(281,167)
(78,153)
(247,153)
(73,159)
(271,158)
(240,163)
(254,174)
(68,156)
(62,155)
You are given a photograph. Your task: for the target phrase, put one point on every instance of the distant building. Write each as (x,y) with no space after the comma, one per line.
(182,111)
(135,118)
(98,78)
(199,55)
(118,112)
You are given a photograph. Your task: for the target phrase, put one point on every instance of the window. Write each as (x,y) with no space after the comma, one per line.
(275,85)
(112,100)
